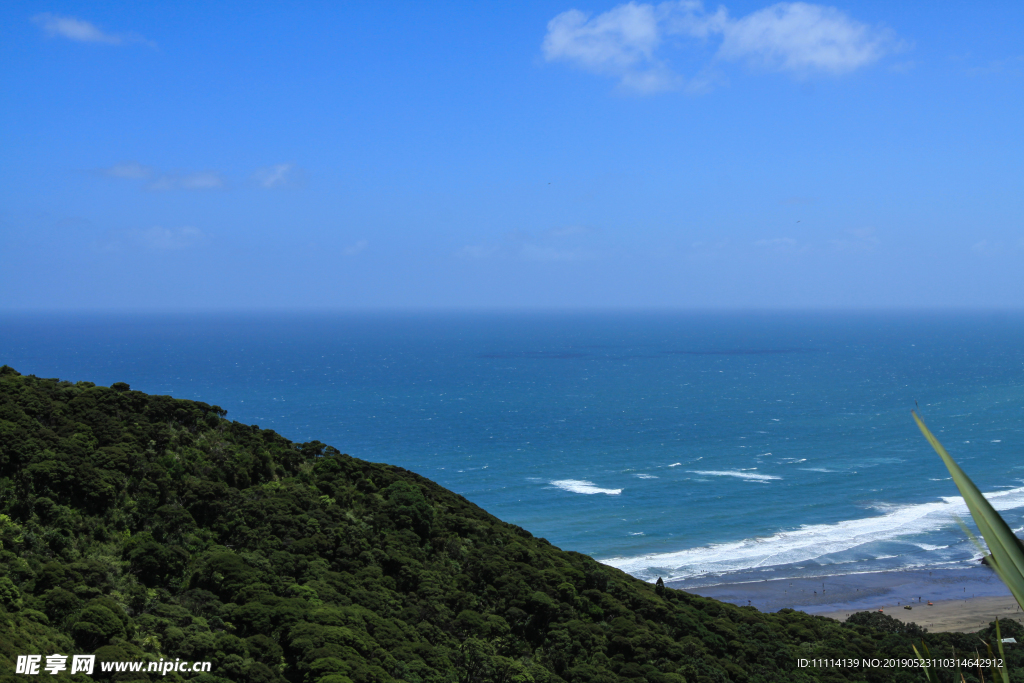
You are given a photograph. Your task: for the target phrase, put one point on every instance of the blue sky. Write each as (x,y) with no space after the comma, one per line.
(534,154)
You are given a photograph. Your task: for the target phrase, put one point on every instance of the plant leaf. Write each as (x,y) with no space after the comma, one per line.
(1007,557)
(1003,671)
(929,673)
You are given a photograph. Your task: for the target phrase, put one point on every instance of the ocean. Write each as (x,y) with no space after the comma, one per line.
(699,447)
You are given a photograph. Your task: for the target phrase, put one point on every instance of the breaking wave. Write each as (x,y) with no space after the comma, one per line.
(733,473)
(813,541)
(581,486)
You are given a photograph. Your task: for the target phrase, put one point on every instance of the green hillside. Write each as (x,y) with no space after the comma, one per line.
(147,527)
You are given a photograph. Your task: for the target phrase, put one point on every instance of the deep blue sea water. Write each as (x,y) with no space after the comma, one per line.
(682,445)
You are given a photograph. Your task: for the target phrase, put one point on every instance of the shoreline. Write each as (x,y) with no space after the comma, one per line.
(964,598)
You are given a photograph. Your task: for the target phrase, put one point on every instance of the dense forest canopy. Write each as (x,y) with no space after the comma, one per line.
(140,527)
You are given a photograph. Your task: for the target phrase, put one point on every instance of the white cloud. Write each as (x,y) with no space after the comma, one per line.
(131,170)
(620,42)
(628,41)
(279,175)
(800,37)
(203,180)
(82,31)
(356,248)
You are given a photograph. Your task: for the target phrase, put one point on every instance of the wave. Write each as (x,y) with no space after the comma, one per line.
(732,473)
(926,546)
(646,476)
(811,541)
(581,486)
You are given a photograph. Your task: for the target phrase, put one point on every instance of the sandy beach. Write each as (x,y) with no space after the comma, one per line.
(972,614)
(963,599)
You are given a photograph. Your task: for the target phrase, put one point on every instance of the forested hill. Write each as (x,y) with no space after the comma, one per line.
(147,527)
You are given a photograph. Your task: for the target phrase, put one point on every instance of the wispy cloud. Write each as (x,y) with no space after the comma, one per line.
(164,239)
(857,239)
(475,251)
(203,180)
(541,252)
(620,42)
(269,178)
(987,247)
(801,38)
(162,181)
(628,42)
(277,176)
(354,249)
(777,243)
(567,243)
(570,231)
(56,26)
(131,170)
(1010,64)
(154,239)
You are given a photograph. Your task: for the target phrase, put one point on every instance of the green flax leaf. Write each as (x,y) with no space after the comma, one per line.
(1007,557)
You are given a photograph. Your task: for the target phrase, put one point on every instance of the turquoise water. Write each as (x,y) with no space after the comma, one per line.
(690,446)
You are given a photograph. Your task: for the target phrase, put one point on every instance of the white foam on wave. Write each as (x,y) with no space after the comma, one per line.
(675,464)
(926,546)
(733,473)
(646,476)
(815,469)
(581,486)
(812,541)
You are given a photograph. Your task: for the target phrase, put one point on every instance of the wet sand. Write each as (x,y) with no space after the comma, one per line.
(964,599)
